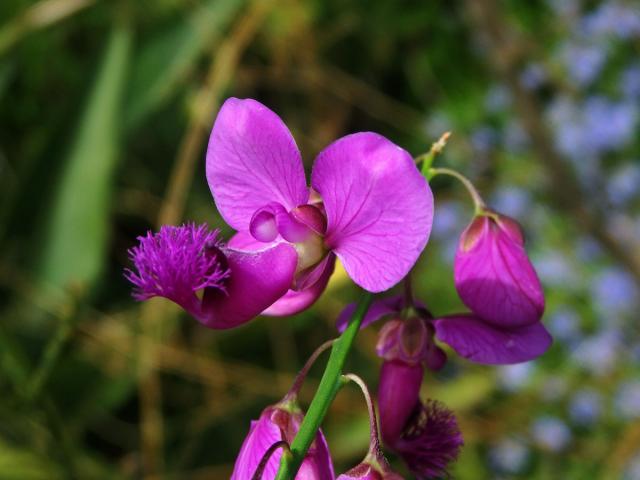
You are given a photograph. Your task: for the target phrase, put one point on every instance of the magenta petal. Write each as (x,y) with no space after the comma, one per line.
(257,280)
(480,342)
(252,160)
(494,276)
(245,242)
(379,208)
(272,426)
(377,310)
(262,434)
(295,301)
(398,396)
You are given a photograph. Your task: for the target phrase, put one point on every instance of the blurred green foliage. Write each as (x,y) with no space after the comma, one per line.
(98,96)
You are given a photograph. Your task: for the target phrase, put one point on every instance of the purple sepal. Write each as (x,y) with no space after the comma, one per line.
(258,279)
(377,310)
(481,342)
(493,274)
(274,425)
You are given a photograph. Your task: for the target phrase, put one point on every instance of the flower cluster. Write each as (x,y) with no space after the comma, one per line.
(370,207)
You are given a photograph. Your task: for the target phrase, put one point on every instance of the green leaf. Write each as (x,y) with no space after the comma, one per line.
(165,61)
(77,234)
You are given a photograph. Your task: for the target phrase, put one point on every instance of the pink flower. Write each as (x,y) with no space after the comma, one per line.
(368,204)
(275,424)
(493,274)
(220,286)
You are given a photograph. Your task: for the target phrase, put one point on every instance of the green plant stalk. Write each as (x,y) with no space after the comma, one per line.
(327,390)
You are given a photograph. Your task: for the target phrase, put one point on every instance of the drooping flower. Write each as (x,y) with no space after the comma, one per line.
(220,286)
(368,204)
(493,274)
(277,423)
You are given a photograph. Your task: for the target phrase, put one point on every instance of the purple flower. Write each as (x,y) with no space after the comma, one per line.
(369,205)
(493,274)
(275,424)
(220,286)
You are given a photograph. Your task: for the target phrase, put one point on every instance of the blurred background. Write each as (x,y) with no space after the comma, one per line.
(106,107)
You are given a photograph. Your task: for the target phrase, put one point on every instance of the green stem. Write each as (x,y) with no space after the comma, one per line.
(327,390)
(480,206)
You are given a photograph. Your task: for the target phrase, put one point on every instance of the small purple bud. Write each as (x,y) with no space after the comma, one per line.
(493,274)
(398,397)
(277,423)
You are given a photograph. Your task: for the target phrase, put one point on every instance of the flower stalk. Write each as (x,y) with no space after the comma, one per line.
(480,206)
(329,385)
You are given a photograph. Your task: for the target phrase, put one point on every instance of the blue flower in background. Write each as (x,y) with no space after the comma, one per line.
(512,201)
(555,270)
(632,471)
(568,129)
(565,7)
(515,139)
(585,407)
(551,433)
(533,76)
(630,82)
(588,249)
(497,99)
(613,18)
(608,125)
(483,139)
(614,294)
(583,62)
(564,325)
(599,353)
(509,456)
(622,184)
(583,132)
(627,400)
(514,377)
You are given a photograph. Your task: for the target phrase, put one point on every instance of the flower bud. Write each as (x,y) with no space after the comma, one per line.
(277,423)
(493,274)
(398,397)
